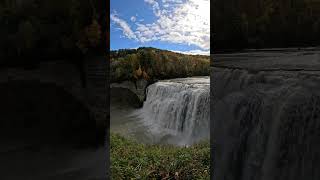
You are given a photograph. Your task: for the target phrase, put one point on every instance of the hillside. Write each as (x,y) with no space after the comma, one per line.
(153,64)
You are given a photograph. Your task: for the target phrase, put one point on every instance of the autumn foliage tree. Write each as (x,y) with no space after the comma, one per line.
(152,64)
(37,30)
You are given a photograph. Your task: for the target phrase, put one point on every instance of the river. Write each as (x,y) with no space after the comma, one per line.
(175,111)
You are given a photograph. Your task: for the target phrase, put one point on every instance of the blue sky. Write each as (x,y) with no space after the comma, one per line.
(176,25)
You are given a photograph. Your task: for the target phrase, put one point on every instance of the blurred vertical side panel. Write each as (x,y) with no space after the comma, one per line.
(53,89)
(265,81)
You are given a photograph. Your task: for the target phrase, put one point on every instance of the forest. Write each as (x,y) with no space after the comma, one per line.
(239,24)
(34,30)
(154,64)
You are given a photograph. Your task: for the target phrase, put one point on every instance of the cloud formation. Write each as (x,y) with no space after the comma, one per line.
(155,7)
(124,26)
(133,18)
(195,52)
(177,21)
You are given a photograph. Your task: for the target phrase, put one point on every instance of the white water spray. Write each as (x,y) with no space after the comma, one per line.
(177,111)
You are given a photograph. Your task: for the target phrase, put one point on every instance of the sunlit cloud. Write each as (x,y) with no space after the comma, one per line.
(177,21)
(124,26)
(195,52)
(155,6)
(133,18)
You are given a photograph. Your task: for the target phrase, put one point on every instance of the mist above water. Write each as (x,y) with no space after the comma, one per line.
(175,112)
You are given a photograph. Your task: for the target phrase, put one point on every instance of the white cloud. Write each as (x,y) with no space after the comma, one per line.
(185,23)
(124,26)
(195,52)
(172,1)
(179,22)
(155,6)
(133,18)
(166,5)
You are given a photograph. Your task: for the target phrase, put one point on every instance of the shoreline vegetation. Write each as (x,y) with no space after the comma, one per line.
(154,64)
(130,159)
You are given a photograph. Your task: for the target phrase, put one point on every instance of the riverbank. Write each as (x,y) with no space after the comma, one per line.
(130,159)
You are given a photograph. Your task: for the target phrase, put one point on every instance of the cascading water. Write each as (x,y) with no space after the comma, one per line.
(176,111)
(266,114)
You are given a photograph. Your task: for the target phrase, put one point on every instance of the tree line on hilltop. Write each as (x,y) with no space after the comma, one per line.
(36,29)
(153,64)
(239,24)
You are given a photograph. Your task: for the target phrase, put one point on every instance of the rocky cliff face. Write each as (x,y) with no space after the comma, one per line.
(53,100)
(129,92)
(266,122)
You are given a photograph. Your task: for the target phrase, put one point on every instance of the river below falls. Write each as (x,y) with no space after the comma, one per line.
(175,111)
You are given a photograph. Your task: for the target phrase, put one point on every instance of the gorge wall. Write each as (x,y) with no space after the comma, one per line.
(265,114)
(130,92)
(53,101)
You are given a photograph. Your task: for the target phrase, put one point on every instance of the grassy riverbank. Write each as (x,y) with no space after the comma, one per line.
(130,159)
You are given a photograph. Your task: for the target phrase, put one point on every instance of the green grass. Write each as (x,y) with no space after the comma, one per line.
(132,160)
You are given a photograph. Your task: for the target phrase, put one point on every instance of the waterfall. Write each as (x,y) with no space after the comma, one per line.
(268,117)
(177,110)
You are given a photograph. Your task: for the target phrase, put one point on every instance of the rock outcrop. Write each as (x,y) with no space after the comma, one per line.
(133,92)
